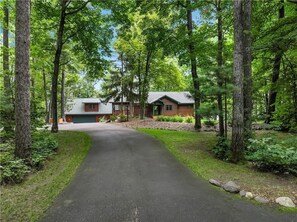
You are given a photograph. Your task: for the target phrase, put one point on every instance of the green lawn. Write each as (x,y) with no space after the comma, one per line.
(193,149)
(29,200)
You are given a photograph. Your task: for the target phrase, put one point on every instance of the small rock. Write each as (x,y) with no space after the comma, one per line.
(242,193)
(249,195)
(231,187)
(285,201)
(261,199)
(214,182)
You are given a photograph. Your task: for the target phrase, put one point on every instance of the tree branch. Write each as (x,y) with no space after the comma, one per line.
(77,9)
(73,34)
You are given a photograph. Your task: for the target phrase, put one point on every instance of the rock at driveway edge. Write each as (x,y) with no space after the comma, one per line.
(215,182)
(261,199)
(285,201)
(231,187)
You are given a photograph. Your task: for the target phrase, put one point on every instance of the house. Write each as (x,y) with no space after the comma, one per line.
(87,110)
(160,103)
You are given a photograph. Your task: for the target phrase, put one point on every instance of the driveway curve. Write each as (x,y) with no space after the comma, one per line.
(129,176)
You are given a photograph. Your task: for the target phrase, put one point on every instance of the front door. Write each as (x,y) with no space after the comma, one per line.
(157,111)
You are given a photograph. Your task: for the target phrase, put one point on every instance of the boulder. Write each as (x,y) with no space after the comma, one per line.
(215,182)
(249,195)
(285,201)
(261,199)
(242,193)
(231,187)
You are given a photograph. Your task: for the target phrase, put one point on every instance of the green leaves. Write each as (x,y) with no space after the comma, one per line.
(273,155)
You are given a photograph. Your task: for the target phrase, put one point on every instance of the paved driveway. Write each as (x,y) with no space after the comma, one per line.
(128,176)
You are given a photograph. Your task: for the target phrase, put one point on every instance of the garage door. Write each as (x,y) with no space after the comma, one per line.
(84,119)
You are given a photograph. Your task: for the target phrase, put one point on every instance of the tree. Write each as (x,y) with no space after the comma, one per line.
(193,59)
(7,105)
(22,81)
(59,46)
(237,145)
(275,72)
(220,78)
(247,69)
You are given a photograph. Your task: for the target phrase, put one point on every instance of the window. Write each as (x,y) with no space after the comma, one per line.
(116,107)
(168,107)
(91,107)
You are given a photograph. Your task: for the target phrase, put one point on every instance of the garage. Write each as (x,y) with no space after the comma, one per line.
(84,118)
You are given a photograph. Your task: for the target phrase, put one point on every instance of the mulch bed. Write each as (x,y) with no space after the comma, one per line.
(153,124)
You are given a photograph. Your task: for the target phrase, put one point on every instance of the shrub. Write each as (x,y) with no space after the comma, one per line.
(43,146)
(113,118)
(122,118)
(189,119)
(160,118)
(178,119)
(12,170)
(209,122)
(102,120)
(269,154)
(222,149)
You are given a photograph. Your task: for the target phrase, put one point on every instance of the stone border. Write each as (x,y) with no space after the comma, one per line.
(232,187)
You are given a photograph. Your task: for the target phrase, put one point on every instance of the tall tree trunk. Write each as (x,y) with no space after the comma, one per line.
(145,84)
(220,78)
(275,73)
(6,73)
(63,95)
(45,97)
(6,79)
(226,109)
(141,109)
(33,100)
(122,84)
(237,145)
(247,64)
(57,67)
(22,81)
(195,78)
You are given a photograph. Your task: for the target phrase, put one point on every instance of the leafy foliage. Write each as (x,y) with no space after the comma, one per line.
(14,170)
(222,149)
(271,154)
(122,118)
(179,119)
(113,118)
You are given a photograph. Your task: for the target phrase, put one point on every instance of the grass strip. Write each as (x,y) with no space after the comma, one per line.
(29,200)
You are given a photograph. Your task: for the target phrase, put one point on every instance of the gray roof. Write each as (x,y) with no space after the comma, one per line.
(179,97)
(77,107)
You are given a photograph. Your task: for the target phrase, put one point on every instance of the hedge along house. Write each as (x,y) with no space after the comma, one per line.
(160,103)
(87,110)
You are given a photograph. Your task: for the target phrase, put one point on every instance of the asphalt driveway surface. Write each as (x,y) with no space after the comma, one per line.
(128,176)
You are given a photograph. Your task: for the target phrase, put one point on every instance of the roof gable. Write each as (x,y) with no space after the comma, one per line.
(178,97)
